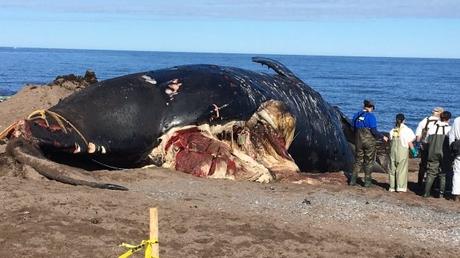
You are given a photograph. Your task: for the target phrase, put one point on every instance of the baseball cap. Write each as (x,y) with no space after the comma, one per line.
(369,103)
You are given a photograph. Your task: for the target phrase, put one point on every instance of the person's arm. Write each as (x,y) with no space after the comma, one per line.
(418,131)
(431,131)
(373,127)
(376,133)
(413,150)
(452,134)
(410,137)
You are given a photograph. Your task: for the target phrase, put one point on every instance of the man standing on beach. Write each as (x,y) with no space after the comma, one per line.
(365,128)
(421,133)
(438,161)
(454,136)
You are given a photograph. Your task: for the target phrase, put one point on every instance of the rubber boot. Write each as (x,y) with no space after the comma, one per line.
(353,178)
(428,184)
(368,180)
(420,184)
(442,186)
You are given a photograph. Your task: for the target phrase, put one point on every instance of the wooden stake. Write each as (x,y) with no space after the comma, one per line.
(154,231)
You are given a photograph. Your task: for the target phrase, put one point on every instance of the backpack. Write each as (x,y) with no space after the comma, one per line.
(455,148)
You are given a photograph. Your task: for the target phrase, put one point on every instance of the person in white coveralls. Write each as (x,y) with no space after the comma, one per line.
(454,135)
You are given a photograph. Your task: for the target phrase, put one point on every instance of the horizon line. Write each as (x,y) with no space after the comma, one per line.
(230,53)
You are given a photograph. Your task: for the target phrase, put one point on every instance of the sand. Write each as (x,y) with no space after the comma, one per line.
(198,217)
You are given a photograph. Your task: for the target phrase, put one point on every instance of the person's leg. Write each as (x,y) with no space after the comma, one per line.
(442,184)
(357,166)
(432,172)
(393,164)
(456,179)
(369,159)
(422,166)
(401,172)
(392,175)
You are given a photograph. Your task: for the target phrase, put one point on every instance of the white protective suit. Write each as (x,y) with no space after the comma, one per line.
(454,134)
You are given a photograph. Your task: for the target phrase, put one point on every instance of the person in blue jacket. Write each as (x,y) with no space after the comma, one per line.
(365,128)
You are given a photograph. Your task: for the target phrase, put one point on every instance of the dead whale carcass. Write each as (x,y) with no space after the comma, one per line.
(206,120)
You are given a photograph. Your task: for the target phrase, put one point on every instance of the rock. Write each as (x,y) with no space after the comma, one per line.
(306,201)
(95,220)
(75,82)
(90,76)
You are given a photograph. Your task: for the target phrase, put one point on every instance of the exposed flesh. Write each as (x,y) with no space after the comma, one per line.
(254,150)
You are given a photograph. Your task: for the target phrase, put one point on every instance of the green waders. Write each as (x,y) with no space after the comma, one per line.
(423,155)
(364,155)
(435,165)
(399,157)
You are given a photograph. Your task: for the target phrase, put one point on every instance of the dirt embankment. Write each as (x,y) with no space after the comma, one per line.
(323,217)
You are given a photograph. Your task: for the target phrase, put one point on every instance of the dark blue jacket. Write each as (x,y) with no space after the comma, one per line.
(364,119)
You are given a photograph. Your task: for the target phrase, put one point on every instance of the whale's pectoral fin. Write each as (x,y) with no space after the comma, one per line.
(382,160)
(277,67)
(347,126)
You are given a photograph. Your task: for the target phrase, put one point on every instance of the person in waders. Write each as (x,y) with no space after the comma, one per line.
(401,138)
(454,139)
(439,160)
(421,134)
(365,128)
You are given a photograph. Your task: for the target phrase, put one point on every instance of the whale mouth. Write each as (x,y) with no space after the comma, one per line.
(48,131)
(254,150)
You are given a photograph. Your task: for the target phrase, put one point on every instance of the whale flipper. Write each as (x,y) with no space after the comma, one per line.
(278,67)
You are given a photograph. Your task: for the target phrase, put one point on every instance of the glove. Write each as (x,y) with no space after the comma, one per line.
(414,152)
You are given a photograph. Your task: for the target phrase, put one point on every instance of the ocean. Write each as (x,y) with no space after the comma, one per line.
(412,86)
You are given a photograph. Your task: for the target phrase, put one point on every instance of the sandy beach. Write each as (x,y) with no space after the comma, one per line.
(323,217)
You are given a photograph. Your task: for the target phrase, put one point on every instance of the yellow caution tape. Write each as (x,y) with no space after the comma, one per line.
(134,248)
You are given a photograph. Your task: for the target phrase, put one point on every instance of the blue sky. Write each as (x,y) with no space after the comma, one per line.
(409,28)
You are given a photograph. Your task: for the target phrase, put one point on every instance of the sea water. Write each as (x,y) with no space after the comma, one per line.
(412,86)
